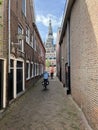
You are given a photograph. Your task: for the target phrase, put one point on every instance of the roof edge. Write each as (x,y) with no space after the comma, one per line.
(68,7)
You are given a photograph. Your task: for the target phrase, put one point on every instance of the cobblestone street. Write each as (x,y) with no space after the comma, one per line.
(43,110)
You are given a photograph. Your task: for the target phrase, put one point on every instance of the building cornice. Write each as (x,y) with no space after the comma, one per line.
(68,7)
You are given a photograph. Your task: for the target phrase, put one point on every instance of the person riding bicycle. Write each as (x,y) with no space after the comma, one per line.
(45,76)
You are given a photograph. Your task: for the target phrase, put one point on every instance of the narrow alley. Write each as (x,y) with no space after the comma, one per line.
(40,109)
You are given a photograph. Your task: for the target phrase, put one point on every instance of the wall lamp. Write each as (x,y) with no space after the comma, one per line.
(20,37)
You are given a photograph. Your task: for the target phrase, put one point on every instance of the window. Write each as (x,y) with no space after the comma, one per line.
(50,57)
(35,43)
(32,69)
(19,77)
(32,42)
(37,69)
(33,36)
(27,70)
(24,7)
(20,41)
(28,35)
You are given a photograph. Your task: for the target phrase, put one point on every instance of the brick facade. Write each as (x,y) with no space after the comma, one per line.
(58,53)
(3,45)
(27,55)
(83,40)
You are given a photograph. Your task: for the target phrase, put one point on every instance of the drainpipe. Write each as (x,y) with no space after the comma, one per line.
(9,42)
(68,41)
(68,54)
(60,74)
(9,34)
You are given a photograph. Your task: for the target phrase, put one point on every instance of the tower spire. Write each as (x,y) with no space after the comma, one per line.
(49,40)
(50,32)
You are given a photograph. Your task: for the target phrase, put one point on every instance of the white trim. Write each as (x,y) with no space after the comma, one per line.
(14,69)
(21,41)
(35,44)
(28,34)
(14,79)
(32,70)
(23,77)
(35,69)
(32,45)
(4,85)
(38,69)
(27,78)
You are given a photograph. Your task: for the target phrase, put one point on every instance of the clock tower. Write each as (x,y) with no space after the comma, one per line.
(50,47)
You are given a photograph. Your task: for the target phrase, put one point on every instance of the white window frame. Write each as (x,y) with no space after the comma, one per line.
(19,40)
(4,83)
(32,69)
(27,62)
(35,69)
(35,43)
(32,43)
(15,69)
(27,34)
(34,40)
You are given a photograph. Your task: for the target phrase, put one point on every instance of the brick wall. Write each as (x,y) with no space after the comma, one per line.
(18,18)
(84,58)
(63,57)
(58,53)
(1,26)
(3,45)
(1,21)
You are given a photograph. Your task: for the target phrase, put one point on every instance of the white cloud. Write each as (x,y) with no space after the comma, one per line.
(45,20)
(56,22)
(55,36)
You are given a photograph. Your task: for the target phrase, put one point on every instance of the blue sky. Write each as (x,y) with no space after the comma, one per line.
(45,10)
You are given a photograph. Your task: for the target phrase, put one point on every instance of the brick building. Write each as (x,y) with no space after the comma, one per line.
(79,55)
(22,54)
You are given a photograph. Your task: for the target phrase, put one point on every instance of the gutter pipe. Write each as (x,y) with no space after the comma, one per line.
(9,33)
